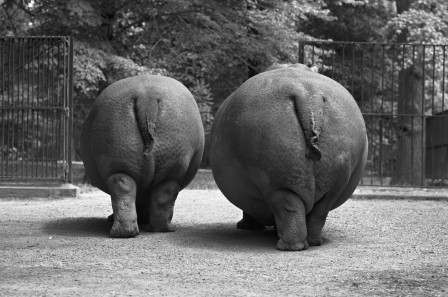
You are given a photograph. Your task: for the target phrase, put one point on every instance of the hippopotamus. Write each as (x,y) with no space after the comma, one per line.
(142,142)
(288,146)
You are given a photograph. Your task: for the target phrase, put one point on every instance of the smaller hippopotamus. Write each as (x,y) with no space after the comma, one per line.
(142,142)
(288,146)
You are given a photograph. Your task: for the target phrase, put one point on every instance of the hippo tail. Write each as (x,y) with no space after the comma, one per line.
(309,107)
(146,111)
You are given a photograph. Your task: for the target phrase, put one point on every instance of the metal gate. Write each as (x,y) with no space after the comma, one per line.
(402,91)
(36,109)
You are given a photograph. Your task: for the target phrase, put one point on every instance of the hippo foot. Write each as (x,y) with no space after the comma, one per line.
(140,221)
(283,246)
(249,223)
(124,230)
(314,240)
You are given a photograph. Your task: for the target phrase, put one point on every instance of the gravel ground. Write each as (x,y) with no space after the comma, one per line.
(371,248)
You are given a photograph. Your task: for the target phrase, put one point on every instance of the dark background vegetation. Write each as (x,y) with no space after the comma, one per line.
(211,46)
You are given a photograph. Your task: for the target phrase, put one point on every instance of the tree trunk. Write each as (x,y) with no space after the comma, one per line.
(410,167)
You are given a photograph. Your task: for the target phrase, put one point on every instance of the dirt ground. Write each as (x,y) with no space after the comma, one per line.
(371,248)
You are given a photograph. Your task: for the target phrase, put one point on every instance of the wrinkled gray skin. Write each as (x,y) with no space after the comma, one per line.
(287,147)
(142,142)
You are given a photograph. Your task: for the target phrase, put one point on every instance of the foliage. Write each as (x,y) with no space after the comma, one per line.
(207,45)
(426,21)
(212,46)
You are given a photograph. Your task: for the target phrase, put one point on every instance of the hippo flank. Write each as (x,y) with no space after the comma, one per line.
(142,142)
(287,147)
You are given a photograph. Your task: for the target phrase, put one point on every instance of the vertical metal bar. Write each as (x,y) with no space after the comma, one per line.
(42,82)
(8,111)
(392,80)
(36,110)
(343,66)
(445,161)
(6,79)
(58,113)
(5,104)
(312,57)
(353,69)
(403,62)
(48,108)
(323,58)
(362,77)
(33,98)
(18,105)
(392,113)
(64,129)
(433,151)
(28,115)
(38,103)
(372,148)
(423,120)
(53,163)
(433,77)
(333,55)
(382,79)
(443,76)
(412,115)
(12,131)
(380,163)
(361,107)
(16,110)
(2,61)
(23,108)
(301,52)
(70,98)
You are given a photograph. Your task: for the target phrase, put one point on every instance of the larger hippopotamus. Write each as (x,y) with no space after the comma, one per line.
(142,142)
(287,147)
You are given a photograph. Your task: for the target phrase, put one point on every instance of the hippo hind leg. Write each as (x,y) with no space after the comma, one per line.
(123,190)
(290,219)
(142,211)
(316,219)
(161,206)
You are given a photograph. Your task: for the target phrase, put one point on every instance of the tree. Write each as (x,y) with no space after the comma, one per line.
(203,43)
(416,22)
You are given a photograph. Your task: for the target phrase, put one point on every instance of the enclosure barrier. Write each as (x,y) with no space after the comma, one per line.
(36,108)
(401,90)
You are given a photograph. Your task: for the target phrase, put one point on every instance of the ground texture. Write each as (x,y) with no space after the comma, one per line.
(371,248)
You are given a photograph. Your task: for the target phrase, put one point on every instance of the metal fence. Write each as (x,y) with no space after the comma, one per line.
(36,108)
(402,90)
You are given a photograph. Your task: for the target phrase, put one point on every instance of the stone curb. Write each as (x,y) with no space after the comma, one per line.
(397,193)
(34,191)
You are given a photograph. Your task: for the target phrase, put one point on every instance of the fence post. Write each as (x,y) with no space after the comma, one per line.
(69,177)
(301,52)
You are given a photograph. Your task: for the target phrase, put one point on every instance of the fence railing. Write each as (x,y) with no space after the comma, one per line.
(402,90)
(36,108)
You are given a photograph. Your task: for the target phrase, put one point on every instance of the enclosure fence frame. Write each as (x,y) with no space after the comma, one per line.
(36,109)
(402,90)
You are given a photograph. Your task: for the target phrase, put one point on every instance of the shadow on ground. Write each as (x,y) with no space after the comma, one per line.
(79,227)
(225,236)
(214,236)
